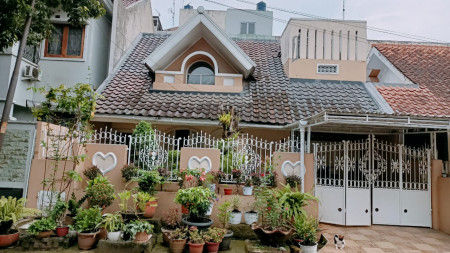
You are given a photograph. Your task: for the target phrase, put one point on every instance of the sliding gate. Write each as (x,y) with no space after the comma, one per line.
(366,182)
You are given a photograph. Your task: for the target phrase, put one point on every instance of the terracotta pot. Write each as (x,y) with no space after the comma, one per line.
(196,247)
(87,240)
(141,237)
(272,237)
(10,239)
(212,247)
(102,233)
(228,191)
(166,233)
(44,234)
(62,231)
(150,209)
(177,246)
(184,210)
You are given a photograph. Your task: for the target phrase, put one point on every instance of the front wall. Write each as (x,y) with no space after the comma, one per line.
(212,154)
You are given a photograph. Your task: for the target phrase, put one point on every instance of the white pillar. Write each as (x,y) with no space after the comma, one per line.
(302,152)
(308,141)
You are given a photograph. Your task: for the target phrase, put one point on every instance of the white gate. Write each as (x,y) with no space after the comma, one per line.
(373,182)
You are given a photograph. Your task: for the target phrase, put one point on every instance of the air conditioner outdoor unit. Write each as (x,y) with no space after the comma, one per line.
(33,73)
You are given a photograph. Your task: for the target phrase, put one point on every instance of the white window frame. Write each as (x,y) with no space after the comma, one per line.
(247,25)
(327,65)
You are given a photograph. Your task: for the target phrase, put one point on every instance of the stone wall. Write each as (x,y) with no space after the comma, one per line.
(13,157)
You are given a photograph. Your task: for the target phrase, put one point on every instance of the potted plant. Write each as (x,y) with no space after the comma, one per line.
(213,237)
(171,221)
(236,214)
(57,214)
(209,179)
(86,224)
(196,242)
(306,228)
(237,175)
(227,190)
(12,210)
(42,228)
(126,213)
(146,203)
(251,216)
(138,231)
(292,201)
(294,181)
(113,223)
(129,172)
(178,240)
(248,187)
(100,192)
(147,181)
(198,201)
(224,218)
(92,172)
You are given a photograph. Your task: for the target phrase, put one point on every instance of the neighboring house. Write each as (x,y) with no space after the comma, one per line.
(72,55)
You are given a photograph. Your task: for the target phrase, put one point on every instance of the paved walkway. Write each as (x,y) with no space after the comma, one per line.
(376,239)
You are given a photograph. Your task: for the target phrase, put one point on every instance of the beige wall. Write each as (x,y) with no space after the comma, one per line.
(212,154)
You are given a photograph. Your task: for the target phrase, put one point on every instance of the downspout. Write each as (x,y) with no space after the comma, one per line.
(302,125)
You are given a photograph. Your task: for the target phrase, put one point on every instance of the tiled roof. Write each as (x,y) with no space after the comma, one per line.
(427,66)
(268,98)
(314,96)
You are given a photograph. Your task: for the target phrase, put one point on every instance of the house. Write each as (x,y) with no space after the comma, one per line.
(71,56)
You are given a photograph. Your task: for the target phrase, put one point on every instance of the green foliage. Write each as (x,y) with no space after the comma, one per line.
(88,220)
(195,236)
(14,209)
(179,234)
(44,224)
(229,120)
(129,172)
(306,228)
(92,172)
(14,12)
(294,181)
(100,192)
(142,198)
(187,176)
(292,201)
(214,235)
(136,226)
(197,200)
(148,180)
(224,213)
(112,222)
(173,158)
(235,202)
(57,213)
(74,204)
(124,197)
(143,128)
(269,208)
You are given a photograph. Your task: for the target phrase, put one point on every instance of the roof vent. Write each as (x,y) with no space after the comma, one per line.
(327,69)
(261,6)
(188,7)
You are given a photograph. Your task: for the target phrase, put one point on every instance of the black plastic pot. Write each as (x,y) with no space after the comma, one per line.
(203,224)
(4,226)
(226,241)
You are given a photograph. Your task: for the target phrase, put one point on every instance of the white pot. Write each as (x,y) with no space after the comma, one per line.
(114,236)
(72,233)
(309,249)
(212,187)
(235,218)
(248,190)
(250,218)
(210,209)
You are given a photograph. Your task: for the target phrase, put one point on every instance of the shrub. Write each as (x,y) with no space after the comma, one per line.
(57,213)
(100,192)
(112,222)
(214,235)
(129,172)
(92,172)
(148,180)
(171,218)
(197,200)
(44,224)
(293,181)
(87,220)
(224,213)
(136,226)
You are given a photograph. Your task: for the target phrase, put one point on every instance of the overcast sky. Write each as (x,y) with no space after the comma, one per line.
(426,18)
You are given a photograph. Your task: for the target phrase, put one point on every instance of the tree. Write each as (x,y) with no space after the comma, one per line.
(28,22)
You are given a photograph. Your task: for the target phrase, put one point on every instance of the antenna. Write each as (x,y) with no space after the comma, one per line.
(343,9)
(172,10)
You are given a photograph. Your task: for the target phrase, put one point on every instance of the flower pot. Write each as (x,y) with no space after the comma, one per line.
(226,241)
(150,209)
(196,247)
(72,233)
(274,237)
(235,218)
(102,233)
(177,246)
(212,187)
(184,210)
(131,215)
(114,236)
(44,234)
(209,212)
(248,190)
(9,239)
(201,225)
(166,233)
(228,191)
(141,237)
(87,240)
(309,249)
(62,231)
(250,217)
(212,247)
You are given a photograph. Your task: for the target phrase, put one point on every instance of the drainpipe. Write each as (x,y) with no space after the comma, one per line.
(308,141)
(302,125)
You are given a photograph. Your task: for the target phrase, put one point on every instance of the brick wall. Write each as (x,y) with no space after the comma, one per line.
(13,157)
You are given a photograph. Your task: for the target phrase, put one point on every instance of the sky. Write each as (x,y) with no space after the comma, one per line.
(425,18)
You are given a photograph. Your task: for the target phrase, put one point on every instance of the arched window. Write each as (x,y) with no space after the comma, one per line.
(201,73)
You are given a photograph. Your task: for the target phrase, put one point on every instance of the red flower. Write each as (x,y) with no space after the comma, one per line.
(269,208)
(262,174)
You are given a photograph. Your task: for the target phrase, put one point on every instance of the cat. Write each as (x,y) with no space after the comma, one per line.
(339,241)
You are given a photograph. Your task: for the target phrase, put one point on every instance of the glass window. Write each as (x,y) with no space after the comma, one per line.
(65,41)
(243,28)
(251,28)
(55,41)
(247,28)
(74,41)
(201,73)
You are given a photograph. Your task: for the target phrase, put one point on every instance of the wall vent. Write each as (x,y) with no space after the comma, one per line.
(327,69)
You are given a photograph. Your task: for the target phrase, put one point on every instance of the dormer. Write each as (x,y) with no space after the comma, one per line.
(325,49)
(199,56)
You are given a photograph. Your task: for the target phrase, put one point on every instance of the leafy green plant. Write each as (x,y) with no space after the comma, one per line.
(195,236)
(74,204)
(306,228)
(100,192)
(148,180)
(293,181)
(235,202)
(269,209)
(142,198)
(224,213)
(179,234)
(129,172)
(42,225)
(214,235)
(112,222)
(131,229)
(92,172)
(87,220)
(57,213)
(124,197)
(173,159)
(248,182)
(12,209)
(197,200)
(292,201)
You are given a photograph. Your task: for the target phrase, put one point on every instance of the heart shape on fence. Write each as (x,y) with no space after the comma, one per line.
(288,168)
(200,163)
(105,163)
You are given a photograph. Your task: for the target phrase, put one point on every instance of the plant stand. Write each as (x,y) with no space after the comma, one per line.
(31,243)
(254,247)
